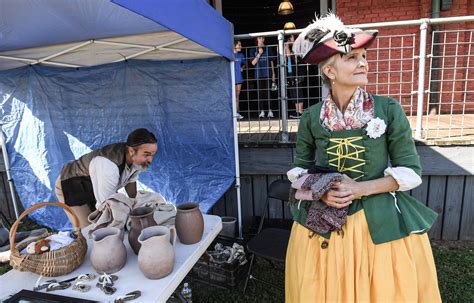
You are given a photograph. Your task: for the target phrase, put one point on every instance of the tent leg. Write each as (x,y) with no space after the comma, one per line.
(7,168)
(236,151)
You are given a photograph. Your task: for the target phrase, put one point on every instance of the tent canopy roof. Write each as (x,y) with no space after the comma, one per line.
(79,33)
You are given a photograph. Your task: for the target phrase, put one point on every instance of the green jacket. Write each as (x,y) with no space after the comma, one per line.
(388,217)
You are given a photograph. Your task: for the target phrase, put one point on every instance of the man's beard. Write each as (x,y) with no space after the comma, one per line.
(140,168)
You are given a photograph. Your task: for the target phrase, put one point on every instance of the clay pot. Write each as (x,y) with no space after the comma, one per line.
(156,256)
(189,223)
(140,217)
(108,253)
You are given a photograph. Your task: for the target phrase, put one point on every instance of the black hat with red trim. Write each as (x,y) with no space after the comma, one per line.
(328,36)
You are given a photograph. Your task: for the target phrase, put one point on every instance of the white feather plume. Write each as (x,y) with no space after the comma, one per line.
(328,23)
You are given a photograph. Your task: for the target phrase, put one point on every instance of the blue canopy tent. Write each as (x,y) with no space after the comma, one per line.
(76,75)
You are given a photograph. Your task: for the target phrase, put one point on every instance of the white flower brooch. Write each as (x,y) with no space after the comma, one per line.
(375,128)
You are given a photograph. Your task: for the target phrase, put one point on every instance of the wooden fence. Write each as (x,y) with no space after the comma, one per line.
(448,187)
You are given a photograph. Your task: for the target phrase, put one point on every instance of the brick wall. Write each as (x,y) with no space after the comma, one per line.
(398,74)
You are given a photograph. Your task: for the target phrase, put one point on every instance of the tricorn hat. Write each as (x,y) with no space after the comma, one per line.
(327,36)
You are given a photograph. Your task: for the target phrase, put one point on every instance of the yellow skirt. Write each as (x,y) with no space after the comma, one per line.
(353,269)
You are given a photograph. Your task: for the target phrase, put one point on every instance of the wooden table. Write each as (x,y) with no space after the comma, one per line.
(130,277)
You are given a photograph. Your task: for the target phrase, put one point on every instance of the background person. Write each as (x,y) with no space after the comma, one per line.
(95,176)
(262,60)
(383,253)
(238,69)
(294,78)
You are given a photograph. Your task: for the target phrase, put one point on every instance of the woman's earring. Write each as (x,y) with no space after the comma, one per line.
(333,82)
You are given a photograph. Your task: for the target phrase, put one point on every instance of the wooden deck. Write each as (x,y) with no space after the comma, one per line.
(437,129)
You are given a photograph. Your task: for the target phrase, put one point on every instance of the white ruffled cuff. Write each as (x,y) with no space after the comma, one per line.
(406,177)
(294,173)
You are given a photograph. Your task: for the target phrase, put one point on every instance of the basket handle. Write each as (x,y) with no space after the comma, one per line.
(14,227)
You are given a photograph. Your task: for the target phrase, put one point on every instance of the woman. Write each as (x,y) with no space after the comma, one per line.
(383,253)
(238,68)
(294,78)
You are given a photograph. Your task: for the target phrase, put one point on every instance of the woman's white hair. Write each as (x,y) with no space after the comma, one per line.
(329,61)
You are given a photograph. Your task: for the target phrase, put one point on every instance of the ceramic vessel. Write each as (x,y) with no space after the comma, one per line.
(140,217)
(108,253)
(189,223)
(156,256)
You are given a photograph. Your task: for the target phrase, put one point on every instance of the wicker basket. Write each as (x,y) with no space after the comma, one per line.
(53,263)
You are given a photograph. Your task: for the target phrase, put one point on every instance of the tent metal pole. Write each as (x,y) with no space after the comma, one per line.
(31,61)
(140,45)
(148,49)
(236,150)
(7,168)
(283,94)
(177,50)
(65,51)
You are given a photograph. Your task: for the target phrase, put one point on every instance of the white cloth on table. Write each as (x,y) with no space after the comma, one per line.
(115,210)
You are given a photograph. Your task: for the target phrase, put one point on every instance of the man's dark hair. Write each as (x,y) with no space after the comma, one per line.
(140,136)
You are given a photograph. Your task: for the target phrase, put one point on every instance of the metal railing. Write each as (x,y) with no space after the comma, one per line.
(431,75)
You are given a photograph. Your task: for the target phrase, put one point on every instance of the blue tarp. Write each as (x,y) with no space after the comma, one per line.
(53,115)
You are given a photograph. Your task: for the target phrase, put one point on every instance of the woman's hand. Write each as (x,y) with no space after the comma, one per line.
(342,193)
(348,185)
(338,198)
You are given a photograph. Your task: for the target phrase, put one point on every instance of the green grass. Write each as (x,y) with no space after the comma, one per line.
(455,266)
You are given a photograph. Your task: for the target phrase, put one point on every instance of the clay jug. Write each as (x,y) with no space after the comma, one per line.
(140,217)
(156,256)
(108,253)
(189,223)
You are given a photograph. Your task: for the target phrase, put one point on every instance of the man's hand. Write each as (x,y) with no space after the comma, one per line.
(260,51)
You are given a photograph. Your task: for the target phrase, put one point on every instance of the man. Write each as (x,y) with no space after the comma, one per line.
(263,62)
(97,175)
